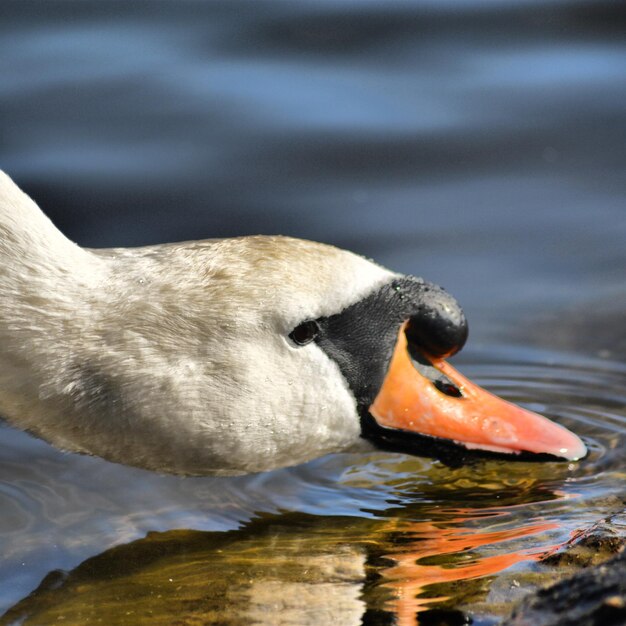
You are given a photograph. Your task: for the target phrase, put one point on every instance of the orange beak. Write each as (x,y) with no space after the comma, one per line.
(436,400)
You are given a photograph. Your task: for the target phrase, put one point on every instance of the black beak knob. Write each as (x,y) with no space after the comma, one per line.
(438,327)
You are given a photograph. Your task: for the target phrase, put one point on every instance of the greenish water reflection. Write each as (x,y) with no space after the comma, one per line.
(294,568)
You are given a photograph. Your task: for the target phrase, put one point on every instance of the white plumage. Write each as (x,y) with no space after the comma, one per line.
(175,357)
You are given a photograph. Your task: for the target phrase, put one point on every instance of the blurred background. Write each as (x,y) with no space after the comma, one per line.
(479,143)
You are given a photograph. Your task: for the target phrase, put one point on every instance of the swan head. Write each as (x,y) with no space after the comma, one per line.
(237,355)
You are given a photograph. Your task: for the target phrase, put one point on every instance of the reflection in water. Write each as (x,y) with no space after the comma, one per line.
(446,553)
(289,569)
(276,570)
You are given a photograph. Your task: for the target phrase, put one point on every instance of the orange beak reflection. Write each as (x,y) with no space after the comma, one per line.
(432,398)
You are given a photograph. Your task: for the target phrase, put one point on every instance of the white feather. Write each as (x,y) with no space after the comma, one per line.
(175,357)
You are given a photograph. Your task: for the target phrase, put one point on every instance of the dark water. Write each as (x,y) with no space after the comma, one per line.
(479,144)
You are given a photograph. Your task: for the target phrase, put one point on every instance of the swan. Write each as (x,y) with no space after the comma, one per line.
(236,355)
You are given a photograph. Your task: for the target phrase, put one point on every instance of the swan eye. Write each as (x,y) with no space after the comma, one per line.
(304,333)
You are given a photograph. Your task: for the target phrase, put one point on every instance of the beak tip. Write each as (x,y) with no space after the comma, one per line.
(559,441)
(575,452)
(565,444)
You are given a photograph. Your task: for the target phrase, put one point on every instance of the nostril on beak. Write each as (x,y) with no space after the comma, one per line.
(439,328)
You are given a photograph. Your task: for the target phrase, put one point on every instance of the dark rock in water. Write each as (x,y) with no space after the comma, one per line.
(593,597)
(592,546)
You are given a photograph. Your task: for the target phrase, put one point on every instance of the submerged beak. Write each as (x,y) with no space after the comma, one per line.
(428,397)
